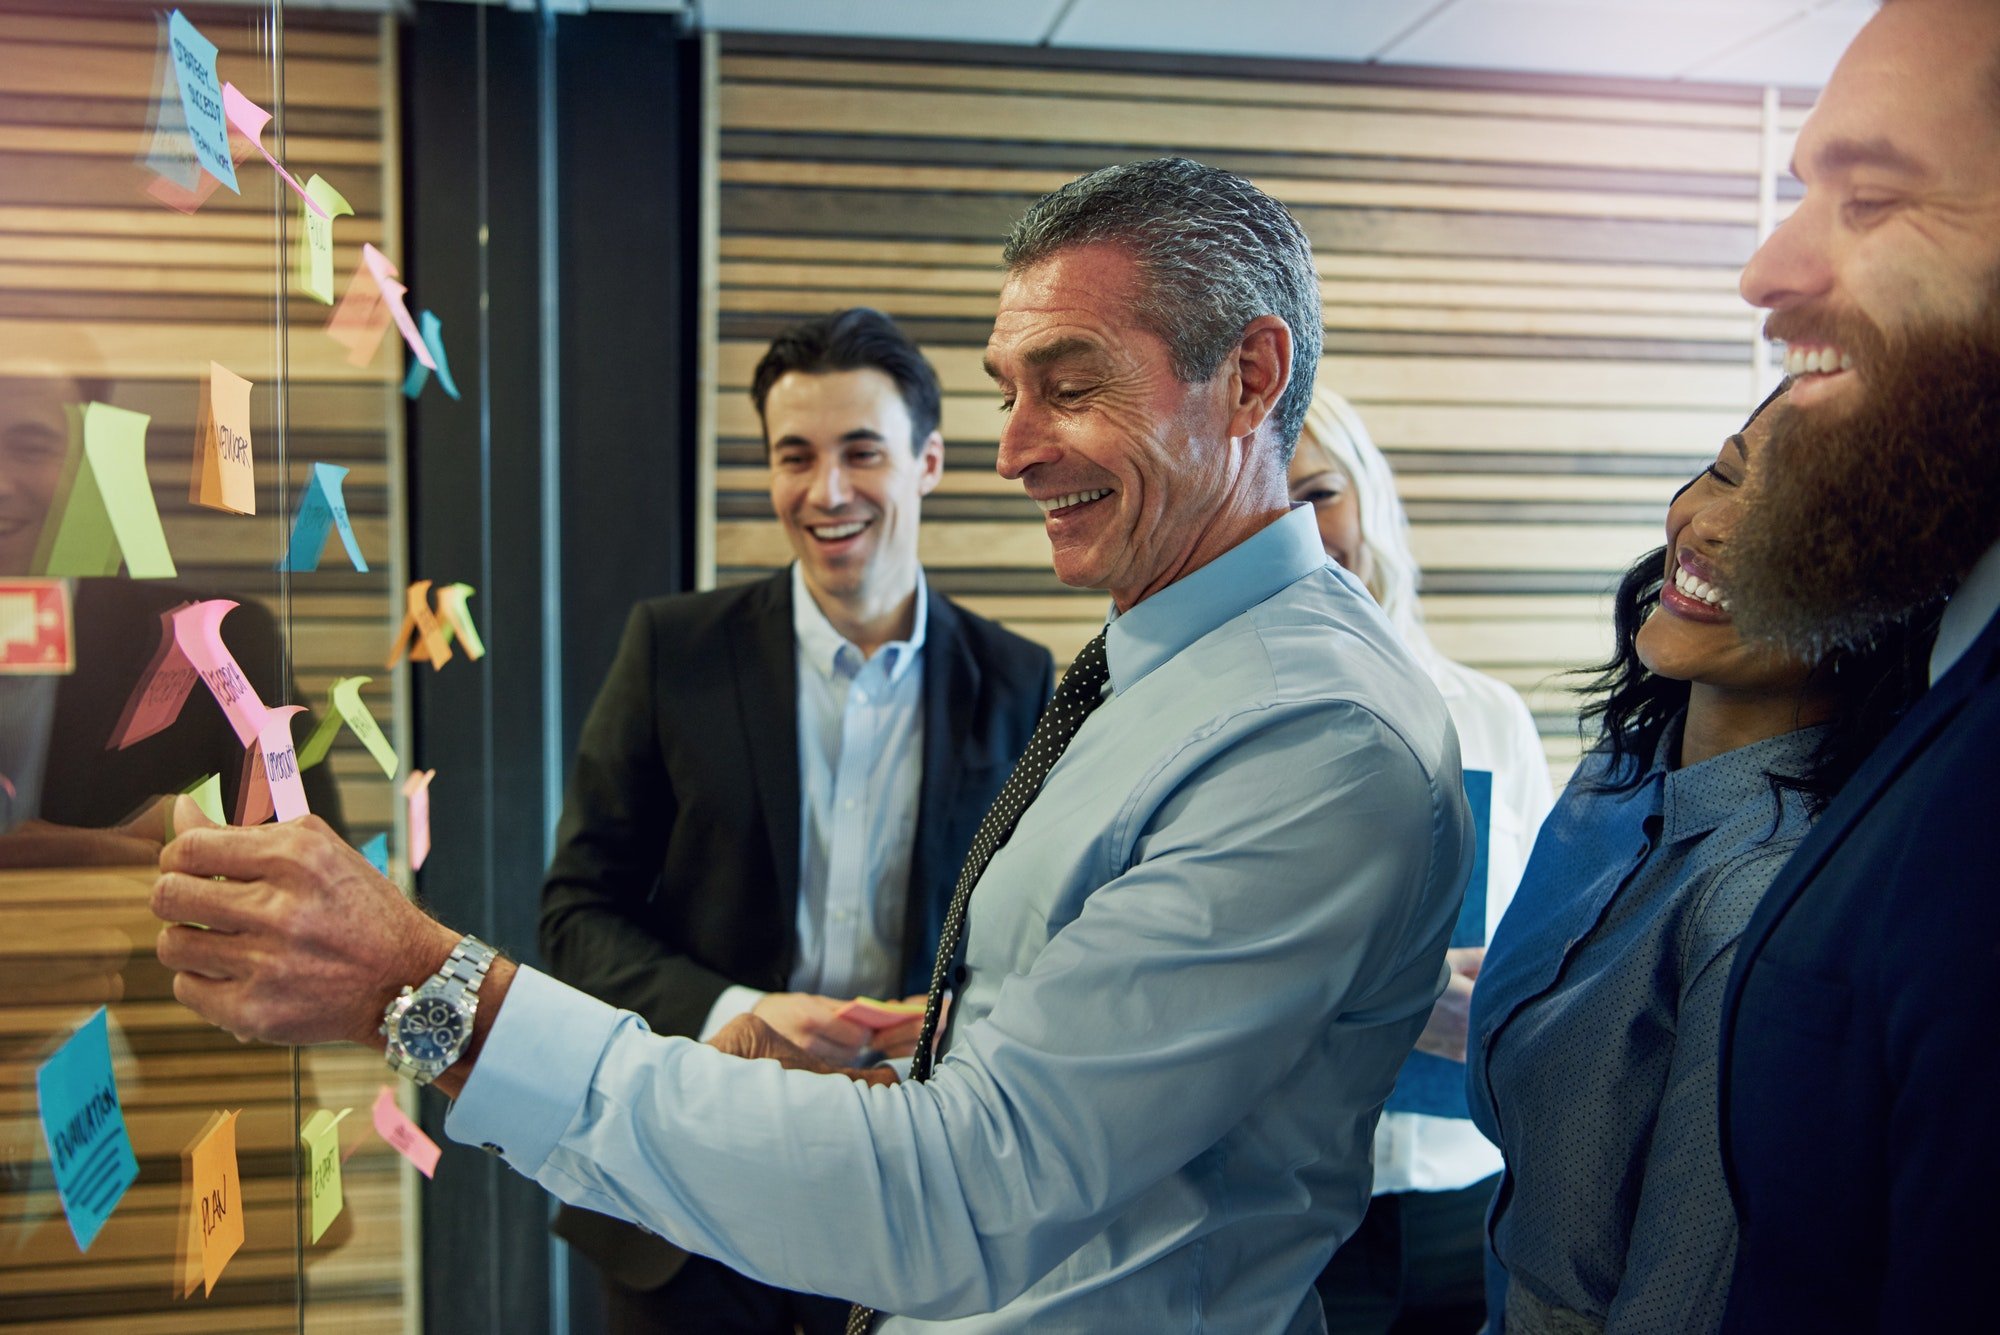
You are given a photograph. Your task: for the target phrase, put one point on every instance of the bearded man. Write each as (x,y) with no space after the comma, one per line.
(1858,1082)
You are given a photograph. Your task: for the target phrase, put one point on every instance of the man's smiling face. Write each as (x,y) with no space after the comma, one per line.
(846,481)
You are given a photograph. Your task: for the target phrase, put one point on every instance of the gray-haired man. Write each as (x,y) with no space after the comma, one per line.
(1189,973)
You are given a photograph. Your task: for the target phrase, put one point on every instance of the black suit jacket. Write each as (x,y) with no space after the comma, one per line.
(1860,1096)
(677,860)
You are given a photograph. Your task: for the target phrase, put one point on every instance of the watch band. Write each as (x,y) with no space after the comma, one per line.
(457,983)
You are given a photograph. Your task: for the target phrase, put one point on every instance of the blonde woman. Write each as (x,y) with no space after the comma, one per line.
(1415,1264)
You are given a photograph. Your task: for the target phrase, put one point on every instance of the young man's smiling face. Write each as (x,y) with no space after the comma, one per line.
(847,482)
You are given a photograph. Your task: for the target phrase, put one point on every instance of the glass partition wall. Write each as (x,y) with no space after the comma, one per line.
(201,399)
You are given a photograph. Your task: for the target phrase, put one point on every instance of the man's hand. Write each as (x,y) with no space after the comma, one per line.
(812,1024)
(37,843)
(1444,1035)
(750,1036)
(900,1040)
(301,941)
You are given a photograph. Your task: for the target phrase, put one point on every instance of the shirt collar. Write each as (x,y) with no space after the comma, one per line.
(1157,628)
(1698,798)
(1977,599)
(822,645)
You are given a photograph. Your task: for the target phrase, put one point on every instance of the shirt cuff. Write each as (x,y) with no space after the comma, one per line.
(534,1071)
(735,1000)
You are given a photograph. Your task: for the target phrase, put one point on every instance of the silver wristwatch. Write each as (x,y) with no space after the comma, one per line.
(429,1026)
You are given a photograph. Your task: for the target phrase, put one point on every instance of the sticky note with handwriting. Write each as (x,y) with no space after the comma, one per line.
(345,705)
(323,506)
(218,1199)
(104,515)
(201,98)
(394,1125)
(457,619)
(198,632)
(83,1124)
(170,151)
(420,624)
(321,1138)
(159,693)
(315,274)
(225,475)
(417,792)
(271,780)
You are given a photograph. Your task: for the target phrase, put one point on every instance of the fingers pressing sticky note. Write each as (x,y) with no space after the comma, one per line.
(345,705)
(84,1126)
(394,1125)
(417,792)
(225,477)
(323,506)
(315,274)
(321,1138)
(104,514)
(217,1206)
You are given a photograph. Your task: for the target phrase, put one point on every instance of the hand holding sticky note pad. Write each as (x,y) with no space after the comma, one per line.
(870,1013)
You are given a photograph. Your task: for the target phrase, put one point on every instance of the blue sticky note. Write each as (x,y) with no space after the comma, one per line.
(376,850)
(84,1127)
(201,98)
(1428,1083)
(419,376)
(323,506)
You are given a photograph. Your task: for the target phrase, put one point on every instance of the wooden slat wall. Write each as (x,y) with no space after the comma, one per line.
(1530,294)
(88,261)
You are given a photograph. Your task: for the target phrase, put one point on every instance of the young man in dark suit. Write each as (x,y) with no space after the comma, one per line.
(1858,1082)
(779,781)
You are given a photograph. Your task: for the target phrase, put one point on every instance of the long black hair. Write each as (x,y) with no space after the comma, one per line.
(1868,688)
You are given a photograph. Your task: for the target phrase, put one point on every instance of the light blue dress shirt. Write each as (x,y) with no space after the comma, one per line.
(1191,975)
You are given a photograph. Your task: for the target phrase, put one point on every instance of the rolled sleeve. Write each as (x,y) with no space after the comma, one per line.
(534,1072)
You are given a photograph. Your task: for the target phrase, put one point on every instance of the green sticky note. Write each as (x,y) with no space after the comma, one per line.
(104,513)
(321,1138)
(345,705)
(457,619)
(315,266)
(207,794)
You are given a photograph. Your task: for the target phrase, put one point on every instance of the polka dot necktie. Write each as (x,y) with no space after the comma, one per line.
(1081,691)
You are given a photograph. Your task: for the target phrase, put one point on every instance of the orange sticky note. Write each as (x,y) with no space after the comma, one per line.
(421,623)
(417,792)
(225,476)
(395,1126)
(218,1200)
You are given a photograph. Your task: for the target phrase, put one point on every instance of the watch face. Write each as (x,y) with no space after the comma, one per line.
(431,1030)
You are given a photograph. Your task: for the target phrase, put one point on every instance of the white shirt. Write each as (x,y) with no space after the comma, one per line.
(1415,1151)
(1977,599)
(861,762)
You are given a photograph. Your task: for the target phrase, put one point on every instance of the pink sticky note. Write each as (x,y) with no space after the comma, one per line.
(248,119)
(161,690)
(281,762)
(392,292)
(198,631)
(361,319)
(417,789)
(395,1126)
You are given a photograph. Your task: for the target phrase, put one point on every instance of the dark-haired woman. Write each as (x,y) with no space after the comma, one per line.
(1595,1023)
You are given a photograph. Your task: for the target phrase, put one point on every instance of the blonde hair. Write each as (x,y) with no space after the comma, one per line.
(1335,430)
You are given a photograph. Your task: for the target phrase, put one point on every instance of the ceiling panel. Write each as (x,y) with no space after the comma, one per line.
(1800,54)
(1300,29)
(1606,37)
(1017,21)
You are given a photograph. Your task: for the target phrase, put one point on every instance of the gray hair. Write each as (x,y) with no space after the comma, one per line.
(1215,253)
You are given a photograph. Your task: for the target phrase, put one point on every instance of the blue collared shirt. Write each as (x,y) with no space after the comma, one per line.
(1191,975)
(1595,1030)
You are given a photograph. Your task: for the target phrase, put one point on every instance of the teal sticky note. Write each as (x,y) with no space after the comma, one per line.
(376,850)
(323,506)
(201,98)
(170,151)
(84,1128)
(419,376)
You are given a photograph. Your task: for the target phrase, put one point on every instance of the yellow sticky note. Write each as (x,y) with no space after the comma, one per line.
(225,478)
(104,512)
(316,239)
(218,1200)
(345,705)
(321,1138)
(457,618)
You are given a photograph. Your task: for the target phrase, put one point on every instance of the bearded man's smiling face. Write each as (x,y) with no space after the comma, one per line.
(1882,485)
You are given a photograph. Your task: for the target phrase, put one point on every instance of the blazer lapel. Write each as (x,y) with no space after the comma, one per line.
(764,672)
(951,690)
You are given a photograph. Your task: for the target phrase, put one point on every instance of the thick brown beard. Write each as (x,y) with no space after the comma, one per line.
(1850,523)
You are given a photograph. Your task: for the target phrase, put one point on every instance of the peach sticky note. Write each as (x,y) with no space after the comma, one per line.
(271,782)
(321,1138)
(421,623)
(248,119)
(225,477)
(104,513)
(159,693)
(345,705)
(417,791)
(361,318)
(395,1126)
(457,618)
(873,1014)
(392,292)
(198,632)
(218,1200)
(315,274)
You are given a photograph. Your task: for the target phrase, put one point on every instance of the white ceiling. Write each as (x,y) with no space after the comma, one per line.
(1787,42)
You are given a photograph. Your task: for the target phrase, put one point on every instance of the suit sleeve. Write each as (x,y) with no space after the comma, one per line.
(595,932)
